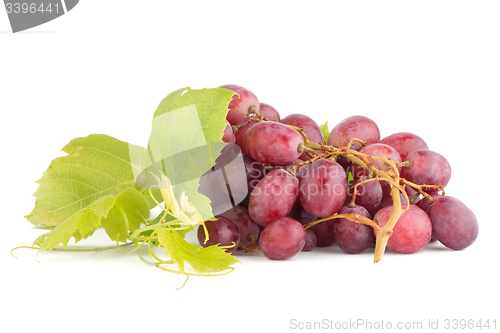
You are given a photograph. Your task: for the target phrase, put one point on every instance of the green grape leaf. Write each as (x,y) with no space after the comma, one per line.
(127,214)
(203,260)
(40,239)
(96,166)
(186,138)
(80,225)
(118,215)
(325,131)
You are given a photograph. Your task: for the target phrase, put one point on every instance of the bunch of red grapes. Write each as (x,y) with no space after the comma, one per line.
(306,193)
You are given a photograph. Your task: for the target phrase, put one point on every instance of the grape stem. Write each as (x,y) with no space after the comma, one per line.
(420,188)
(351,142)
(351,217)
(386,179)
(301,131)
(405,164)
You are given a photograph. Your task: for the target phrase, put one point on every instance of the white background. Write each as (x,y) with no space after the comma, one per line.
(428,67)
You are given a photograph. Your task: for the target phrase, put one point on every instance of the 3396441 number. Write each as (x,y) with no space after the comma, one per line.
(31,8)
(469,324)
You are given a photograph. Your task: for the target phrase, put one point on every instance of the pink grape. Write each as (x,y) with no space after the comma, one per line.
(369,195)
(228,135)
(282,238)
(428,167)
(377,150)
(254,170)
(273,197)
(323,188)
(405,143)
(269,112)
(311,241)
(353,237)
(354,127)
(453,223)
(239,105)
(412,231)
(249,230)
(325,234)
(425,205)
(273,143)
(309,126)
(222,231)
(323,231)
(240,134)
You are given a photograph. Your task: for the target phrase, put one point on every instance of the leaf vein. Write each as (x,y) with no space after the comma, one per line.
(99,171)
(109,153)
(90,196)
(77,181)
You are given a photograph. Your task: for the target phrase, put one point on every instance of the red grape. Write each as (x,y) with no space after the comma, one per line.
(377,150)
(273,197)
(453,223)
(323,231)
(239,105)
(222,231)
(412,231)
(241,133)
(311,241)
(254,170)
(369,195)
(428,167)
(353,237)
(273,143)
(282,238)
(405,143)
(424,205)
(249,230)
(354,127)
(269,112)
(228,135)
(323,188)
(309,126)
